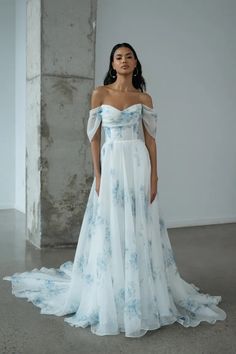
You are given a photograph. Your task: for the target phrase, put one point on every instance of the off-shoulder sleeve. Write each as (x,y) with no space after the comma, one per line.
(93,121)
(150,120)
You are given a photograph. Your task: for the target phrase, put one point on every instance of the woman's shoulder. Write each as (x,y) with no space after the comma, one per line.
(97,96)
(100,90)
(146,99)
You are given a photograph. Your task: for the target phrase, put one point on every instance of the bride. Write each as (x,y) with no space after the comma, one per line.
(124,276)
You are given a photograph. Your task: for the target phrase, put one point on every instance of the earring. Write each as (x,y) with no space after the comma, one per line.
(111,73)
(136,72)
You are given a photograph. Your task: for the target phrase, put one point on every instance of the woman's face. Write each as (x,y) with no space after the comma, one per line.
(124,61)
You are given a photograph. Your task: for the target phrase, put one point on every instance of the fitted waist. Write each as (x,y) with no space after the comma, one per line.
(123,141)
(121,133)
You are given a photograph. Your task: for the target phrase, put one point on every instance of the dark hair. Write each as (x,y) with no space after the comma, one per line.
(138,80)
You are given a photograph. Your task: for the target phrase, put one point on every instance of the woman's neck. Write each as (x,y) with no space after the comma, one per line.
(123,84)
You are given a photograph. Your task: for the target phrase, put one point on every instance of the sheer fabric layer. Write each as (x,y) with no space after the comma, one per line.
(124,276)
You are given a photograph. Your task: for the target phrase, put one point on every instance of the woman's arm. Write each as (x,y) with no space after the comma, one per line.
(95,149)
(152,149)
(96,100)
(151,146)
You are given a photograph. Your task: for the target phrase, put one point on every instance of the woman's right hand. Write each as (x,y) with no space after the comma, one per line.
(97,188)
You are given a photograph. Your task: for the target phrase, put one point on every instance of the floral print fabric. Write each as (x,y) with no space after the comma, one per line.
(124,276)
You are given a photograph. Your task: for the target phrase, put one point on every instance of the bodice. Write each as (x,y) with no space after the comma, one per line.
(123,124)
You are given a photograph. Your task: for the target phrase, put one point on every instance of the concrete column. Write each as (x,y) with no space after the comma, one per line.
(60,78)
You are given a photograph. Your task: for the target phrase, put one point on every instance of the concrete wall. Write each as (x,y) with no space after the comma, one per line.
(33,121)
(7,106)
(188,53)
(60,78)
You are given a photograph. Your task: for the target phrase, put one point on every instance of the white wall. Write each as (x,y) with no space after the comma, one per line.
(20,91)
(12,103)
(188,53)
(7,104)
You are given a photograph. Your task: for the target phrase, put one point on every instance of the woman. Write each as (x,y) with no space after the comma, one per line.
(124,276)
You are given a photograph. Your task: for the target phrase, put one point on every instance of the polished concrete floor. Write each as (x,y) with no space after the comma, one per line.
(205,256)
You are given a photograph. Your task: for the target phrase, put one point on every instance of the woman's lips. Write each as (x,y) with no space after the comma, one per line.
(124,66)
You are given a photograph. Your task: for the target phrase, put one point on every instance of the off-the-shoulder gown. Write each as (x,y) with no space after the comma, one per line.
(124,276)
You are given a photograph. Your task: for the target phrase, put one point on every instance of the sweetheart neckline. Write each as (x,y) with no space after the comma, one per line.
(121,110)
(125,109)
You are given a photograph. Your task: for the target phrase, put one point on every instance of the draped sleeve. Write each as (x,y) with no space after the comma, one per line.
(150,120)
(94,121)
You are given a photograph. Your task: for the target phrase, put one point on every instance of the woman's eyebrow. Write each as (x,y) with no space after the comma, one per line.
(125,54)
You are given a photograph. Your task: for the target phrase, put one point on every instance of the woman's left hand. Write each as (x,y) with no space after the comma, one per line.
(154,181)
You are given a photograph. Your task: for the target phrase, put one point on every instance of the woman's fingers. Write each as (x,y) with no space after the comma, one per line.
(97,186)
(153,196)
(97,189)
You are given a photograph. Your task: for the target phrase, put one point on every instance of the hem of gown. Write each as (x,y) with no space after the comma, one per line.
(184,319)
(143,330)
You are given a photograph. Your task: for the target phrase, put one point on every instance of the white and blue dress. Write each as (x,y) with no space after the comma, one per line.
(123,277)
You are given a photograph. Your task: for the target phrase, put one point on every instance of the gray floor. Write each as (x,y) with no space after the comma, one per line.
(205,256)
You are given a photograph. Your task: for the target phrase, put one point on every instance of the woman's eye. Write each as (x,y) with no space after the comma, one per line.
(126,57)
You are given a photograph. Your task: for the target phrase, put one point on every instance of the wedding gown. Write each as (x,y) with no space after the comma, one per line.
(124,277)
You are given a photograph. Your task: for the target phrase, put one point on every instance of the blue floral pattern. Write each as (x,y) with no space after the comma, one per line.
(124,276)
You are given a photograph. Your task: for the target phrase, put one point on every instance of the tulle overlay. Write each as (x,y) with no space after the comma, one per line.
(124,276)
